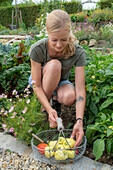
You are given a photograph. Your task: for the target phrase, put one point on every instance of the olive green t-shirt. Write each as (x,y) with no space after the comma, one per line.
(39,53)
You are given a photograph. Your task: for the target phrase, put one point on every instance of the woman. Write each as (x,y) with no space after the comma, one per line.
(51,60)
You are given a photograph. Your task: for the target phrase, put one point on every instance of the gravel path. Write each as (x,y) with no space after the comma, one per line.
(14,161)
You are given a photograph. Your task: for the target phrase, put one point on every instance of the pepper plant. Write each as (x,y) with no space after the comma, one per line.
(101,133)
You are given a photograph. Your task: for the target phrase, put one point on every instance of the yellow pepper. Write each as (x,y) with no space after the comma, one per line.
(60,146)
(71,154)
(48,152)
(71,143)
(61,140)
(60,155)
(53,143)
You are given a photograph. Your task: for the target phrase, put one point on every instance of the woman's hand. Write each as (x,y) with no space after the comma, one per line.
(52,118)
(78,131)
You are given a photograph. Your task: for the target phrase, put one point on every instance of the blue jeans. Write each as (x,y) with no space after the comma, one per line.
(62,82)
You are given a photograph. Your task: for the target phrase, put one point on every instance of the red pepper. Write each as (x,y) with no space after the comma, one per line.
(76,152)
(41,147)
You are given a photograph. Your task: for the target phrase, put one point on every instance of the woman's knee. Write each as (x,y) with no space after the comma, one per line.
(54,66)
(67,98)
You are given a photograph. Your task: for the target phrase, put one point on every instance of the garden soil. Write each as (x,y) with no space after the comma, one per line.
(68,116)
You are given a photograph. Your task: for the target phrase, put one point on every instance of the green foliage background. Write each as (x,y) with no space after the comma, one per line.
(105,3)
(31,12)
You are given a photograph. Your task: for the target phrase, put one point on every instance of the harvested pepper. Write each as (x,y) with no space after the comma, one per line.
(53,143)
(61,140)
(48,152)
(61,155)
(71,143)
(71,154)
(41,147)
(60,146)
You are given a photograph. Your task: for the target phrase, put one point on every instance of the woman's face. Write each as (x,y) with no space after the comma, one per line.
(58,40)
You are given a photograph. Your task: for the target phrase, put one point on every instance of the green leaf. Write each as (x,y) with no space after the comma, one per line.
(109,72)
(103,116)
(106,103)
(111,94)
(112,116)
(94,127)
(93,108)
(108,145)
(98,148)
(90,88)
(109,132)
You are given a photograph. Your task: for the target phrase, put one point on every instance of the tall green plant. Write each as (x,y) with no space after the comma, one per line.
(99,83)
(101,133)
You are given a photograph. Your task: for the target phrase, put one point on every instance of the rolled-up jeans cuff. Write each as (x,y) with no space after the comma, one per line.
(30,79)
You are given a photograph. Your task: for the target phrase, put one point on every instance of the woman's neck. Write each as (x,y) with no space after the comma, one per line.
(53,53)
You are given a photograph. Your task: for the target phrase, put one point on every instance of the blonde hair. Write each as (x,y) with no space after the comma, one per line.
(57,20)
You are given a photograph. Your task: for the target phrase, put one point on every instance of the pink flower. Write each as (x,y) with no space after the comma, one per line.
(23,119)
(14,92)
(15,134)
(28,92)
(1,96)
(32,82)
(26,95)
(10,110)
(4,96)
(12,116)
(5,113)
(28,86)
(26,89)
(11,129)
(14,113)
(4,125)
(75,31)
(29,130)
(32,124)
(24,110)
(28,101)
(2,110)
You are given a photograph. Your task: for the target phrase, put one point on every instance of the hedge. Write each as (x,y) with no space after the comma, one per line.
(31,12)
(105,3)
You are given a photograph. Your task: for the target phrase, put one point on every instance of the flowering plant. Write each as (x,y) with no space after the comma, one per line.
(102,15)
(79,17)
(21,116)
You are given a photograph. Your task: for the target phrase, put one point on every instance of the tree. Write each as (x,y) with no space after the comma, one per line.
(5,2)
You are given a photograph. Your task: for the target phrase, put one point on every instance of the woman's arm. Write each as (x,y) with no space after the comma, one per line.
(37,87)
(80,91)
(80,103)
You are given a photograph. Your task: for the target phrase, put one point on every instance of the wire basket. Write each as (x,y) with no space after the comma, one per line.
(52,135)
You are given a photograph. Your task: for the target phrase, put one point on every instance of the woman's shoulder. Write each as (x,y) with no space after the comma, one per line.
(39,43)
(79,49)
(78,46)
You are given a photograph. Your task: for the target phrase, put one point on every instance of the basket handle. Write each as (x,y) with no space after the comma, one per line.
(59,123)
(37,138)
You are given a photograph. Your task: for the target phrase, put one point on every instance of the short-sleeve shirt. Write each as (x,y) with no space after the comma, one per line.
(39,53)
